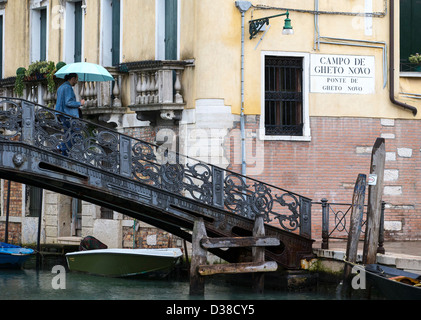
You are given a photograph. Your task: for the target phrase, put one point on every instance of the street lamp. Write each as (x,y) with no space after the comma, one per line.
(256,24)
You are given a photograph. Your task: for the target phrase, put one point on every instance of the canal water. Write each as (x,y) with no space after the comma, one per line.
(60,284)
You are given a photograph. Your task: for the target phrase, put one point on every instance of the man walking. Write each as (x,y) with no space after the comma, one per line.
(66,103)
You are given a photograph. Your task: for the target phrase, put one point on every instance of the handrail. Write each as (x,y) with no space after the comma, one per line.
(95,145)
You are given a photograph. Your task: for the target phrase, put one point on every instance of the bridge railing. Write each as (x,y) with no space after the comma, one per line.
(119,154)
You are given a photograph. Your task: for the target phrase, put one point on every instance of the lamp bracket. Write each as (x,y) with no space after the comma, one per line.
(257,24)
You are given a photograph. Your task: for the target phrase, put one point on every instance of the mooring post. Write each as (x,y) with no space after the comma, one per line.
(325,224)
(258,255)
(6,231)
(375,192)
(199,257)
(357,211)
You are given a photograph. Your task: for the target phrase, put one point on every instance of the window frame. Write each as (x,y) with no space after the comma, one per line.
(35,31)
(305,92)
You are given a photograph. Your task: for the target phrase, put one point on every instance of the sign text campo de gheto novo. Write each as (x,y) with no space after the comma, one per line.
(342,74)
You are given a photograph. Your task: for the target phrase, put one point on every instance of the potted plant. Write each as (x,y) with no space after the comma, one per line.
(415,59)
(19,86)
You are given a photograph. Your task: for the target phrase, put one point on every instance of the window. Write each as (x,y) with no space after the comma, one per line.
(284,101)
(410,41)
(1,46)
(76,224)
(106,213)
(167,30)
(111,28)
(39,35)
(283,96)
(33,199)
(74,32)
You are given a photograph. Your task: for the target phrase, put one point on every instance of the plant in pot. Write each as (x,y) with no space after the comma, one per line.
(415,59)
(19,86)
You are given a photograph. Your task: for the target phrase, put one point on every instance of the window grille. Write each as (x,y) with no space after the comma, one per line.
(283,96)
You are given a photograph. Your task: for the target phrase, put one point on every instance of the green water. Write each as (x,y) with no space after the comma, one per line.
(42,285)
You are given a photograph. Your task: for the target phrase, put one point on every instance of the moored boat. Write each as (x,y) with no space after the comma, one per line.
(12,256)
(394,283)
(124,262)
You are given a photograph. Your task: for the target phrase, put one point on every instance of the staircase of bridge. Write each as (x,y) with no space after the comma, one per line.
(148,182)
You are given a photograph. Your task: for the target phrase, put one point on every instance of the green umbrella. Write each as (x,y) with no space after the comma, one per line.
(86,72)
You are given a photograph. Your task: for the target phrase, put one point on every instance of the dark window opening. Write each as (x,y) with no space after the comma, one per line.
(283,96)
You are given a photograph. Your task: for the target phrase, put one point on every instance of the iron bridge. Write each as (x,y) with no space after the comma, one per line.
(148,182)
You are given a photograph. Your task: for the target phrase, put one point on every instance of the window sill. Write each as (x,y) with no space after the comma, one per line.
(411,74)
(286,138)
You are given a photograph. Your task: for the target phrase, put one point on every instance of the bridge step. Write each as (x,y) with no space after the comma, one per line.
(238,242)
(246,267)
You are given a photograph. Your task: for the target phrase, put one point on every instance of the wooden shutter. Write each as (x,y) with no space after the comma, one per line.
(78,31)
(43,34)
(171,14)
(116,32)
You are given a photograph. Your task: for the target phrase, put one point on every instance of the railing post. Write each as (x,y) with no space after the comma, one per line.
(28,122)
(125,156)
(380,248)
(218,187)
(325,224)
(305,217)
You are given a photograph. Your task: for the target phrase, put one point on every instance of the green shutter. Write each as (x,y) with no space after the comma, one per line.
(410,41)
(171,29)
(1,46)
(78,31)
(43,34)
(116,32)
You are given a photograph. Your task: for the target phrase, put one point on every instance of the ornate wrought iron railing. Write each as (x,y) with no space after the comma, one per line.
(336,222)
(119,154)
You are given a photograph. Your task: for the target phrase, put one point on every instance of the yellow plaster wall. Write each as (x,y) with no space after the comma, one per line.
(210,33)
(16,37)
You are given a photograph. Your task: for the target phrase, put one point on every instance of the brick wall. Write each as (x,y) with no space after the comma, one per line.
(149,238)
(14,233)
(340,149)
(15,205)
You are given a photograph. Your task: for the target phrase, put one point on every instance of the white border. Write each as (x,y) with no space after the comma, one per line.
(306,86)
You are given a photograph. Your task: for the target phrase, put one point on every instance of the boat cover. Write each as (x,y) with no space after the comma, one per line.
(389,272)
(91,243)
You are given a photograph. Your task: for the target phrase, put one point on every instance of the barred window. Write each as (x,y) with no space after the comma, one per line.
(283,96)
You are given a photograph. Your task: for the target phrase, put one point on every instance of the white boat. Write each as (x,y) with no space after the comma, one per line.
(124,262)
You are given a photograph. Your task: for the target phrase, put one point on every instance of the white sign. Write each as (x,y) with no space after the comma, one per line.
(342,74)
(372,179)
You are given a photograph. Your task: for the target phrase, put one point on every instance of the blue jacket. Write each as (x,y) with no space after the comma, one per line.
(66,100)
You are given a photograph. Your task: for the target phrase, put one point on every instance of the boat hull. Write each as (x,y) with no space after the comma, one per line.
(124,262)
(13,256)
(392,289)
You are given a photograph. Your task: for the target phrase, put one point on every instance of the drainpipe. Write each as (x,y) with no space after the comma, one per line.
(392,62)
(243,6)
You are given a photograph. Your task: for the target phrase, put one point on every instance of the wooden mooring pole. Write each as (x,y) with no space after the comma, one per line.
(199,257)
(201,243)
(357,211)
(374,210)
(258,254)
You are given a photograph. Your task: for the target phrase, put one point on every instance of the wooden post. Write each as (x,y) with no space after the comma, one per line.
(258,255)
(357,211)
(375,192)
(199,257)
